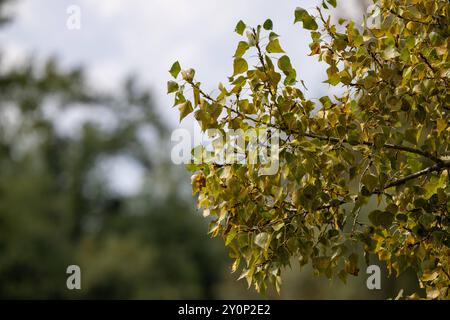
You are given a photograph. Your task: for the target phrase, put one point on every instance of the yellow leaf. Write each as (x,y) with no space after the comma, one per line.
(441,125)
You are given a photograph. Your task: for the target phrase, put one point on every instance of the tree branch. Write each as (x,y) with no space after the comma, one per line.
(371,144)
(398,15)
(327,138)
(435,168)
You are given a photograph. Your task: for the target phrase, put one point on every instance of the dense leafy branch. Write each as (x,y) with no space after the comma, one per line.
(371,144)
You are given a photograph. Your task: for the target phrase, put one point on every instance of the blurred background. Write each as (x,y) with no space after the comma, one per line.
(85,170)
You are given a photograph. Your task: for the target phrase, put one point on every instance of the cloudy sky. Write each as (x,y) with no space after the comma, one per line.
(145,37)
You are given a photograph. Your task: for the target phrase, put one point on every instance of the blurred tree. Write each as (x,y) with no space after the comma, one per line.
(57,206)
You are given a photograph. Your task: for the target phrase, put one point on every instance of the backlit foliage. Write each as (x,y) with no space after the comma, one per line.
(384,140)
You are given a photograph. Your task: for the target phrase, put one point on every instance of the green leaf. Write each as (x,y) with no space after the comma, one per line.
(240,27)
(427,219)
(308,22)
(381,218)
(241,49)
(274,78)
(291,76)
(268,24)
(175,69)
(185,109)
(379,140)
(179,98)
(332,2)
(326,101)
(411,135)
(273,36)
(239,66)
(274,47)
(230,236)
(370,181)
(284,63)
(172,86)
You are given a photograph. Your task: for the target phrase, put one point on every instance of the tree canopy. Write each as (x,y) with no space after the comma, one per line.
(384,140)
